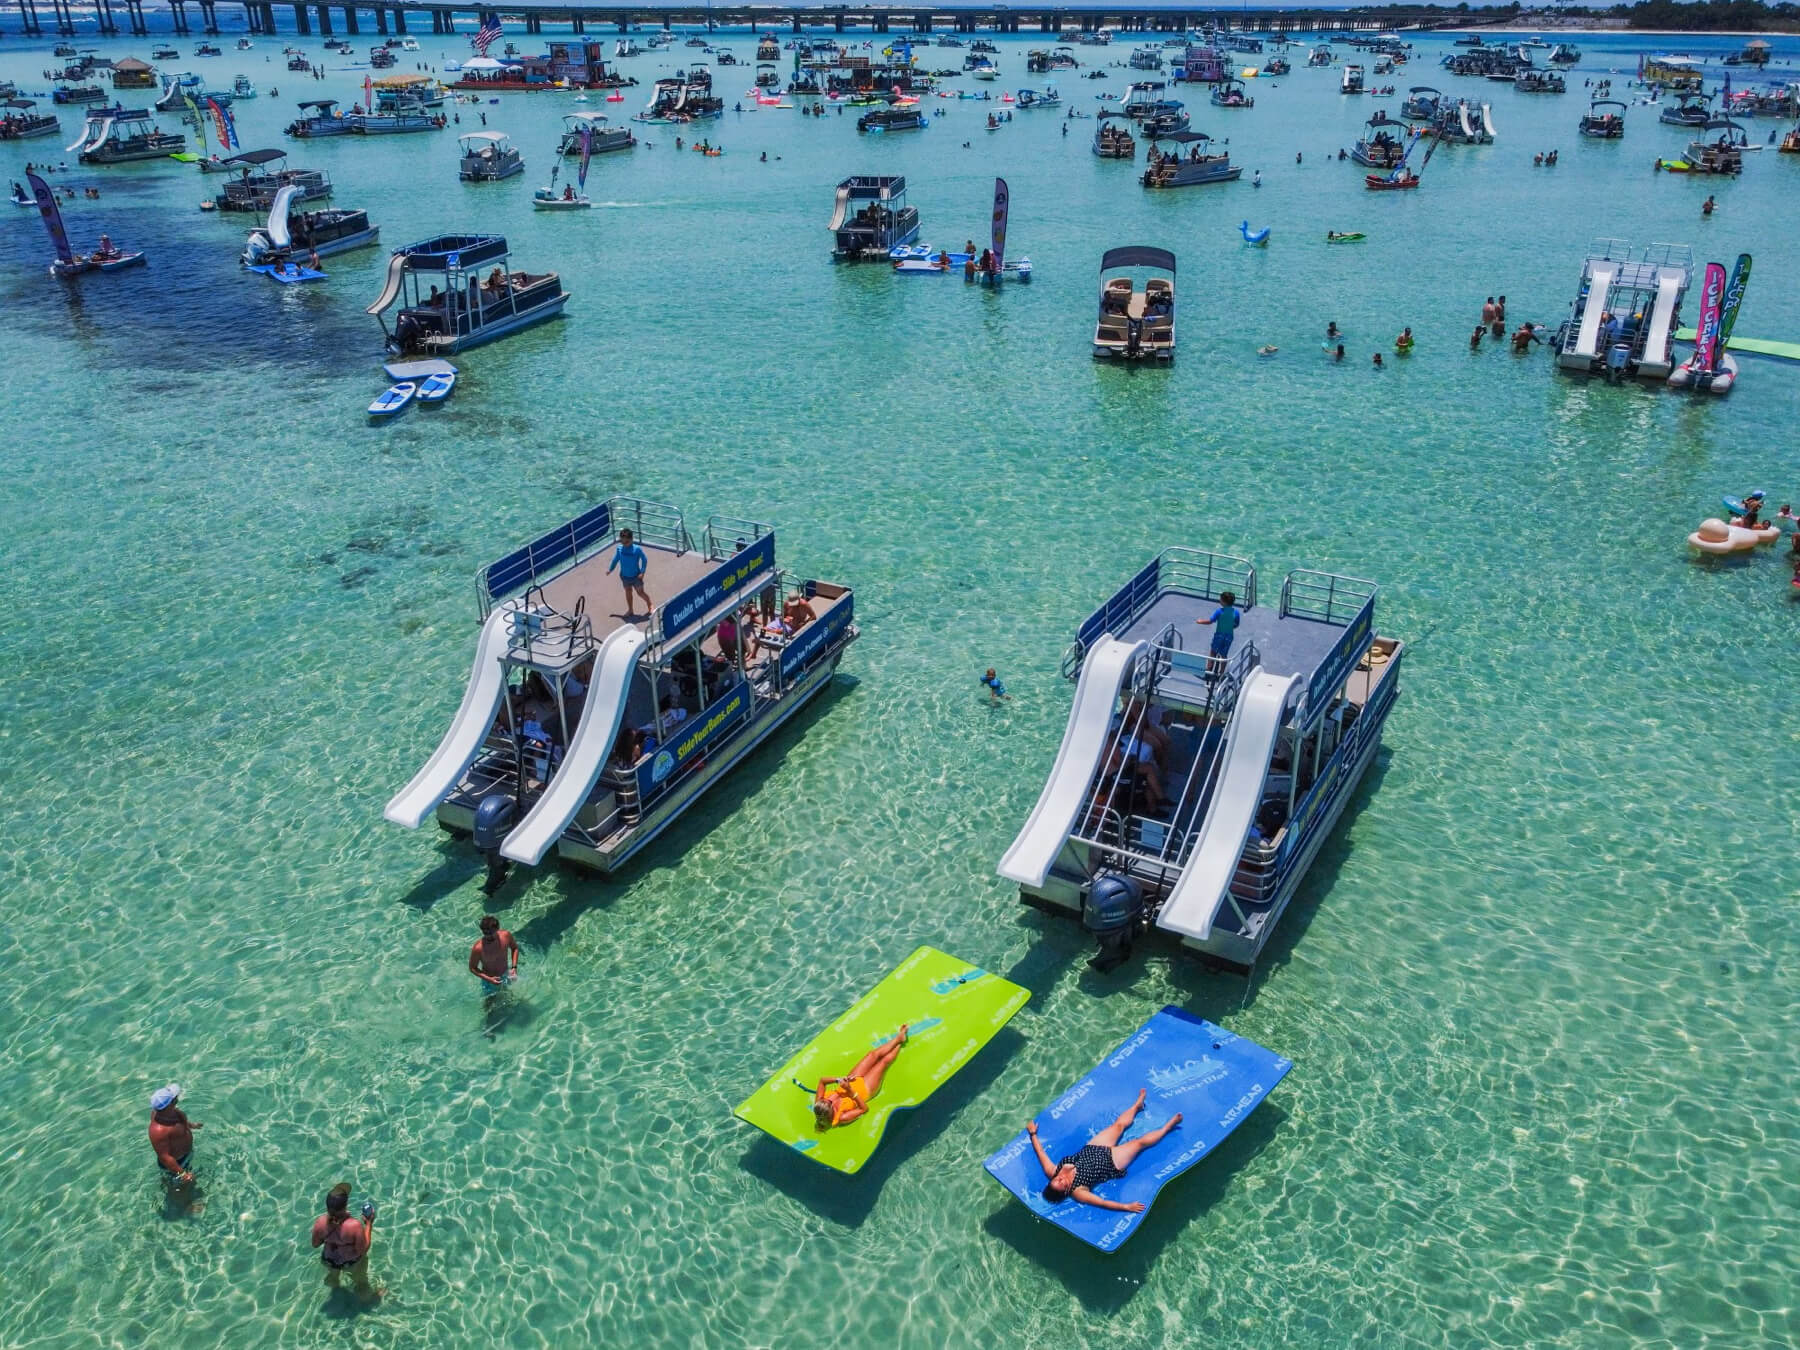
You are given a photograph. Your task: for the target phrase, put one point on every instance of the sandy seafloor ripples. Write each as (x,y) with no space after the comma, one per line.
(1533,989)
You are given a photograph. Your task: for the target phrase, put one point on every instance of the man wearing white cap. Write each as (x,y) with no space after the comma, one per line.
(171,1133)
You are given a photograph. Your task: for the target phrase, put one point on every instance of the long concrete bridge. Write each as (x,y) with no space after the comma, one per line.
(110,17)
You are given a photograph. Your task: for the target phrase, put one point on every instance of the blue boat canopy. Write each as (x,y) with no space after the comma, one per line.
(1137,255)
(469,250)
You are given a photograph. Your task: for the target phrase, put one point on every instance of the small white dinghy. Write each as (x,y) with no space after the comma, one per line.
(394,399)
(549,199)
(436,387)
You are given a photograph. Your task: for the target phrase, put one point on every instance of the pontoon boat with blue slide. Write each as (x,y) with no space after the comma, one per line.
(587,731)
(1192,792)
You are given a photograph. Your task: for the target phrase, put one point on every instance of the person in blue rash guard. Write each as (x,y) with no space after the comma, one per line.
(1225,623)
(996,690)
(631,562)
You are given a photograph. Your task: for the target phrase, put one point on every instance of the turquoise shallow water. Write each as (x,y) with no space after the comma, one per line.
(1533,988)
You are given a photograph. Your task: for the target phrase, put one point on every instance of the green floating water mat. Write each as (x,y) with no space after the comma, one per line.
(951,1008)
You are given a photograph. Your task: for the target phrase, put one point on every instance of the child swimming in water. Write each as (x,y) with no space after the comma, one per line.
(996,690)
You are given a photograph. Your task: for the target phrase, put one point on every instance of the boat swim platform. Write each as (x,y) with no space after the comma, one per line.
(1129,16)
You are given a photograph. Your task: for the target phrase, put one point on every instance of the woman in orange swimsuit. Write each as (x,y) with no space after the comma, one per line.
(839,1101)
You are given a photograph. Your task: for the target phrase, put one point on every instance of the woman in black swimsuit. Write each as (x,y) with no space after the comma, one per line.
(1102,1159)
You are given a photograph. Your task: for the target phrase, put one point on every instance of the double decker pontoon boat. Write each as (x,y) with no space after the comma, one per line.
(1192,791)
(1625,316)
(588,731)
(883,221)
(125,136)
(1134,324)
(469,308)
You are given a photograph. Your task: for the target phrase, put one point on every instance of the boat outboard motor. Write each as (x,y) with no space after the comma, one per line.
(493,822)
(1618,356)
(1114,914)
(1134,336)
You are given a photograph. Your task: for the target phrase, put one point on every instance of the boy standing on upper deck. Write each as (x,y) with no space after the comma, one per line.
(631,562)
(1225,620)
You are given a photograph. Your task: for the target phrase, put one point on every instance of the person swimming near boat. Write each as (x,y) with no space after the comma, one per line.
(1487,312)
(1706,207)
(1256,179)
(1268,350)
(996,690)
(838,1101)
(1102,1159)
(1297,156)
(172,1134)
(1752,513)
(1338,353)
(1376,361)
(632,563)
(1524,335)
(1404,343)
(1331,330)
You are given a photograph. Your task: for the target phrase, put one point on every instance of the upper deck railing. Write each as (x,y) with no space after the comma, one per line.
(650,522)
(1343,602)
(1181,571)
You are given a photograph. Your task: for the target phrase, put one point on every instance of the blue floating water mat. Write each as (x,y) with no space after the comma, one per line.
(289,274)
(1213,1077)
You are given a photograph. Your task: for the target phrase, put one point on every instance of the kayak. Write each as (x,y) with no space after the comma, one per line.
(393,400)
(436,388)
(1352,238)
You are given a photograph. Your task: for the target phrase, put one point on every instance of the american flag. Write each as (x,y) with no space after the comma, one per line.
(488,34)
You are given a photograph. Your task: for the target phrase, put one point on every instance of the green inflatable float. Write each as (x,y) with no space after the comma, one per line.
(951,1009)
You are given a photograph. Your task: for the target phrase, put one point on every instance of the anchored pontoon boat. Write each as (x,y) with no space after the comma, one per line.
(290,236)
(868,233)
(588,732)
(469,309)
(1624,318)
(1192,791)
(1134,324)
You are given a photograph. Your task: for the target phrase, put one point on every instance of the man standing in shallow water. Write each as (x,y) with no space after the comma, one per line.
(495,957)
(172,1134)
